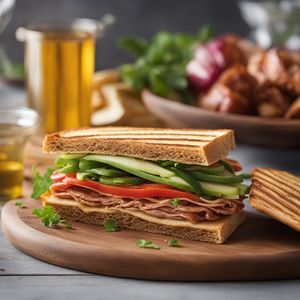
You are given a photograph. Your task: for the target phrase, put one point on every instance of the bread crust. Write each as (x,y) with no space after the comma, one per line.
(189,146)
(208,231)
(276,193)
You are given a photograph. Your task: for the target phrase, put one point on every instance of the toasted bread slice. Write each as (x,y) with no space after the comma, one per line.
(208,231)
(277,194)
(192,146)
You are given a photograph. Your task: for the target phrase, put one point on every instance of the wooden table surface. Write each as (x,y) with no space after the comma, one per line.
(23,277)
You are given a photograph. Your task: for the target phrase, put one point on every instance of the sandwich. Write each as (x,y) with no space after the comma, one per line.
(277,194)
(176,182)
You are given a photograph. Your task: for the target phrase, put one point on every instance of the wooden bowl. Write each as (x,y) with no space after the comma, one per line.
(248,129)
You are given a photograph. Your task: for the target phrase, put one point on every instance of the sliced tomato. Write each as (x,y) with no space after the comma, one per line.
(235,164)
(71,175)
(146,190)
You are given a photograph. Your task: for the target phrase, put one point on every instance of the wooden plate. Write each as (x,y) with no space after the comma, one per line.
(248,129)
(261,249)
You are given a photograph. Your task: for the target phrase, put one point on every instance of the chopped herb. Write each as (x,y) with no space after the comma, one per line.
(41,183)
(173,243)
(110,225)
(147,244)
(19,203)
(175,202)
(47,215)
(67,224)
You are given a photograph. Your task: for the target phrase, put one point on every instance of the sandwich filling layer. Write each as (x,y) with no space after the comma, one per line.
(190,210)
(163,189)
(205,225)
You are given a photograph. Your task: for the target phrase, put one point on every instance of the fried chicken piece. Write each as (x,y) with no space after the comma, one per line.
(279,67)
(239,80)
(237,50)
(293,111)
(255,67)
(232,93)
(271,102)
(223,99)
(233,54)
(234,102)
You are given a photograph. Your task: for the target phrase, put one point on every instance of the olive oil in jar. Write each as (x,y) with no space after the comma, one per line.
(11,161)
(59,68)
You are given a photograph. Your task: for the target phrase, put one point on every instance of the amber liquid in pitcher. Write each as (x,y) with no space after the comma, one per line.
(11,162)
(59,69)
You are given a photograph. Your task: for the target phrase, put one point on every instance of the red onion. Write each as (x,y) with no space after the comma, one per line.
(207,64)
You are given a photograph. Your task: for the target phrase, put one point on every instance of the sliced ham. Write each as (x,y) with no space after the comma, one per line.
(187,209)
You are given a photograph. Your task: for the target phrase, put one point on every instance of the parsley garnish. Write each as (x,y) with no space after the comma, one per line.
(110,225)
(173,243)
(163,58)
(67,224)
(19,204)
(147,244)
(41,184)
(47,215)
(175,202)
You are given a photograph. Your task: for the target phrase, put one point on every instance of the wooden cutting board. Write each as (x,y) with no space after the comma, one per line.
(260,249)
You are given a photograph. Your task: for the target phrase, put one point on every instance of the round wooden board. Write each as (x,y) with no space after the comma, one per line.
(260,249)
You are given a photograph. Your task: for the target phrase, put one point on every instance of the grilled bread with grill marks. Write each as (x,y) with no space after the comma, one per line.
(191,146)
(277,194)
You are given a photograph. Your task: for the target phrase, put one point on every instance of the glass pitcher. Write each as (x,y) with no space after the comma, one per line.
(59,66)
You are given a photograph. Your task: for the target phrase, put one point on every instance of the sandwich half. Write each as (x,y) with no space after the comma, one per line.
(166,181)
(277,193)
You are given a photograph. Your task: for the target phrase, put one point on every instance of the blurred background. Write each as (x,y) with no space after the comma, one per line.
(263,36)
(134,17)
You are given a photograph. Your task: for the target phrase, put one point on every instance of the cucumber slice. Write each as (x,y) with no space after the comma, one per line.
(243,188)
(166,163)
(86,175)
(61,162)
(179,181)
(70,167)
(87,165)
(172,180)
(217,178)
(68,156)
(246,175)
(193,182)
(107,172)
(212,194)
(208,170)
(122,162)
(126,180)
(82,175)
(231,197)
(220,189)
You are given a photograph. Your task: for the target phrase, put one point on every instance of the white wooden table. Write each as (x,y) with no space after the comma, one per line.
(23,277)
